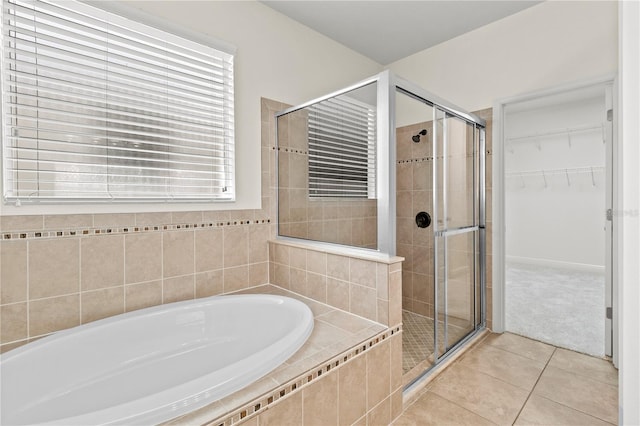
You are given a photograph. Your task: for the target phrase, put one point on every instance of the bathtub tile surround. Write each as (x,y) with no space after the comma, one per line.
(147,259)
(343,355)
(99,274)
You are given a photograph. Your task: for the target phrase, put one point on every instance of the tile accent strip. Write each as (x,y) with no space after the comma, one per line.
(124,229)
(260,404)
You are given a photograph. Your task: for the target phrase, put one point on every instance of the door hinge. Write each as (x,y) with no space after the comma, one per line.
(609,313)
(610,115)
(609,214)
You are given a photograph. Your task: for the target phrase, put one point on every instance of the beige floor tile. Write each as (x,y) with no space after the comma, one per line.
(585,365)
(493,399)
(504,365)
(521,345)
(578,392)
(432,409)
(542,411)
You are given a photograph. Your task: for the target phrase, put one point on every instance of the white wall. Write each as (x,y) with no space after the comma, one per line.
(563,221)
(627,214)
(549,44)
(276,58)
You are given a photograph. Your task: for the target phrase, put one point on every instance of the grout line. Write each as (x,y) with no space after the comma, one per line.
(536,384)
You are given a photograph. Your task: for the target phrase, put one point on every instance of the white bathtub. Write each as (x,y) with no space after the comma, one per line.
(149,366)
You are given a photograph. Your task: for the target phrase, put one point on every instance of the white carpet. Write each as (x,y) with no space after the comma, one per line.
(558,306)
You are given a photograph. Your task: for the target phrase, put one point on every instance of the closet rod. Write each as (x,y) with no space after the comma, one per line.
(558,132)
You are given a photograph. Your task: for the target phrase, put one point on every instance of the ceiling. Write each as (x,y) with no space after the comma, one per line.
(386,31)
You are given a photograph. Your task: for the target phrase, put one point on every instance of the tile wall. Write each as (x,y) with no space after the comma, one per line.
(414,194)
(352,222)
(65,270)
(60,271)
(365,391)
(365,287)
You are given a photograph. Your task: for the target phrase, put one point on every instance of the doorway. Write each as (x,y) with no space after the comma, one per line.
(558,192)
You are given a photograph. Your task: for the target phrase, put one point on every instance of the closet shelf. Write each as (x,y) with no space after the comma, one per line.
(567,131)
(546,173)
(551,172)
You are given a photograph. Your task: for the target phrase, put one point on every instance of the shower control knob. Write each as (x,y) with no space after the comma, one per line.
(423,220)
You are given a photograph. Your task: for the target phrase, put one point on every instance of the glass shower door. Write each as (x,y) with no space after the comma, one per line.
(457,229)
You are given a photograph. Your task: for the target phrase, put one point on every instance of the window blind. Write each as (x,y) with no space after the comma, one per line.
(342,154)
(98,107)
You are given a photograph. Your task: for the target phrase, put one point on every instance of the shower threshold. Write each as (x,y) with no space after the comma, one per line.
(417,342)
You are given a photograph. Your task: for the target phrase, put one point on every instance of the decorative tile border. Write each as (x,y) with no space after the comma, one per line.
(430,158)
(415,160)
(125,229)
(290,150)
(259,405)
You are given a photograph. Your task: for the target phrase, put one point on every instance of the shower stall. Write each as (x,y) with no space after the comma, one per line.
(385,166)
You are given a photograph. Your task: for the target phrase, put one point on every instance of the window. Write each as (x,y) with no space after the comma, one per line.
(98,107)
(342,142)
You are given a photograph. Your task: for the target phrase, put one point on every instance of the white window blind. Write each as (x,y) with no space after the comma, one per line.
(342,149)
(98,107)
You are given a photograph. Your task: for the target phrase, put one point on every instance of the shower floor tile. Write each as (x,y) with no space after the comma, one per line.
(418,339)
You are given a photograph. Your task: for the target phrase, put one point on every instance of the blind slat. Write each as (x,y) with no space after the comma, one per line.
(100,108)
(342,149)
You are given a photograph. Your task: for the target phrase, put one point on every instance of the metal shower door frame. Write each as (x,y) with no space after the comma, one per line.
(439,104)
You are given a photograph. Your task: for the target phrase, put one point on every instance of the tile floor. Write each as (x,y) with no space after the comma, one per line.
(508,379)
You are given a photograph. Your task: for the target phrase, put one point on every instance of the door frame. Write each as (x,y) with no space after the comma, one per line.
(498,205)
